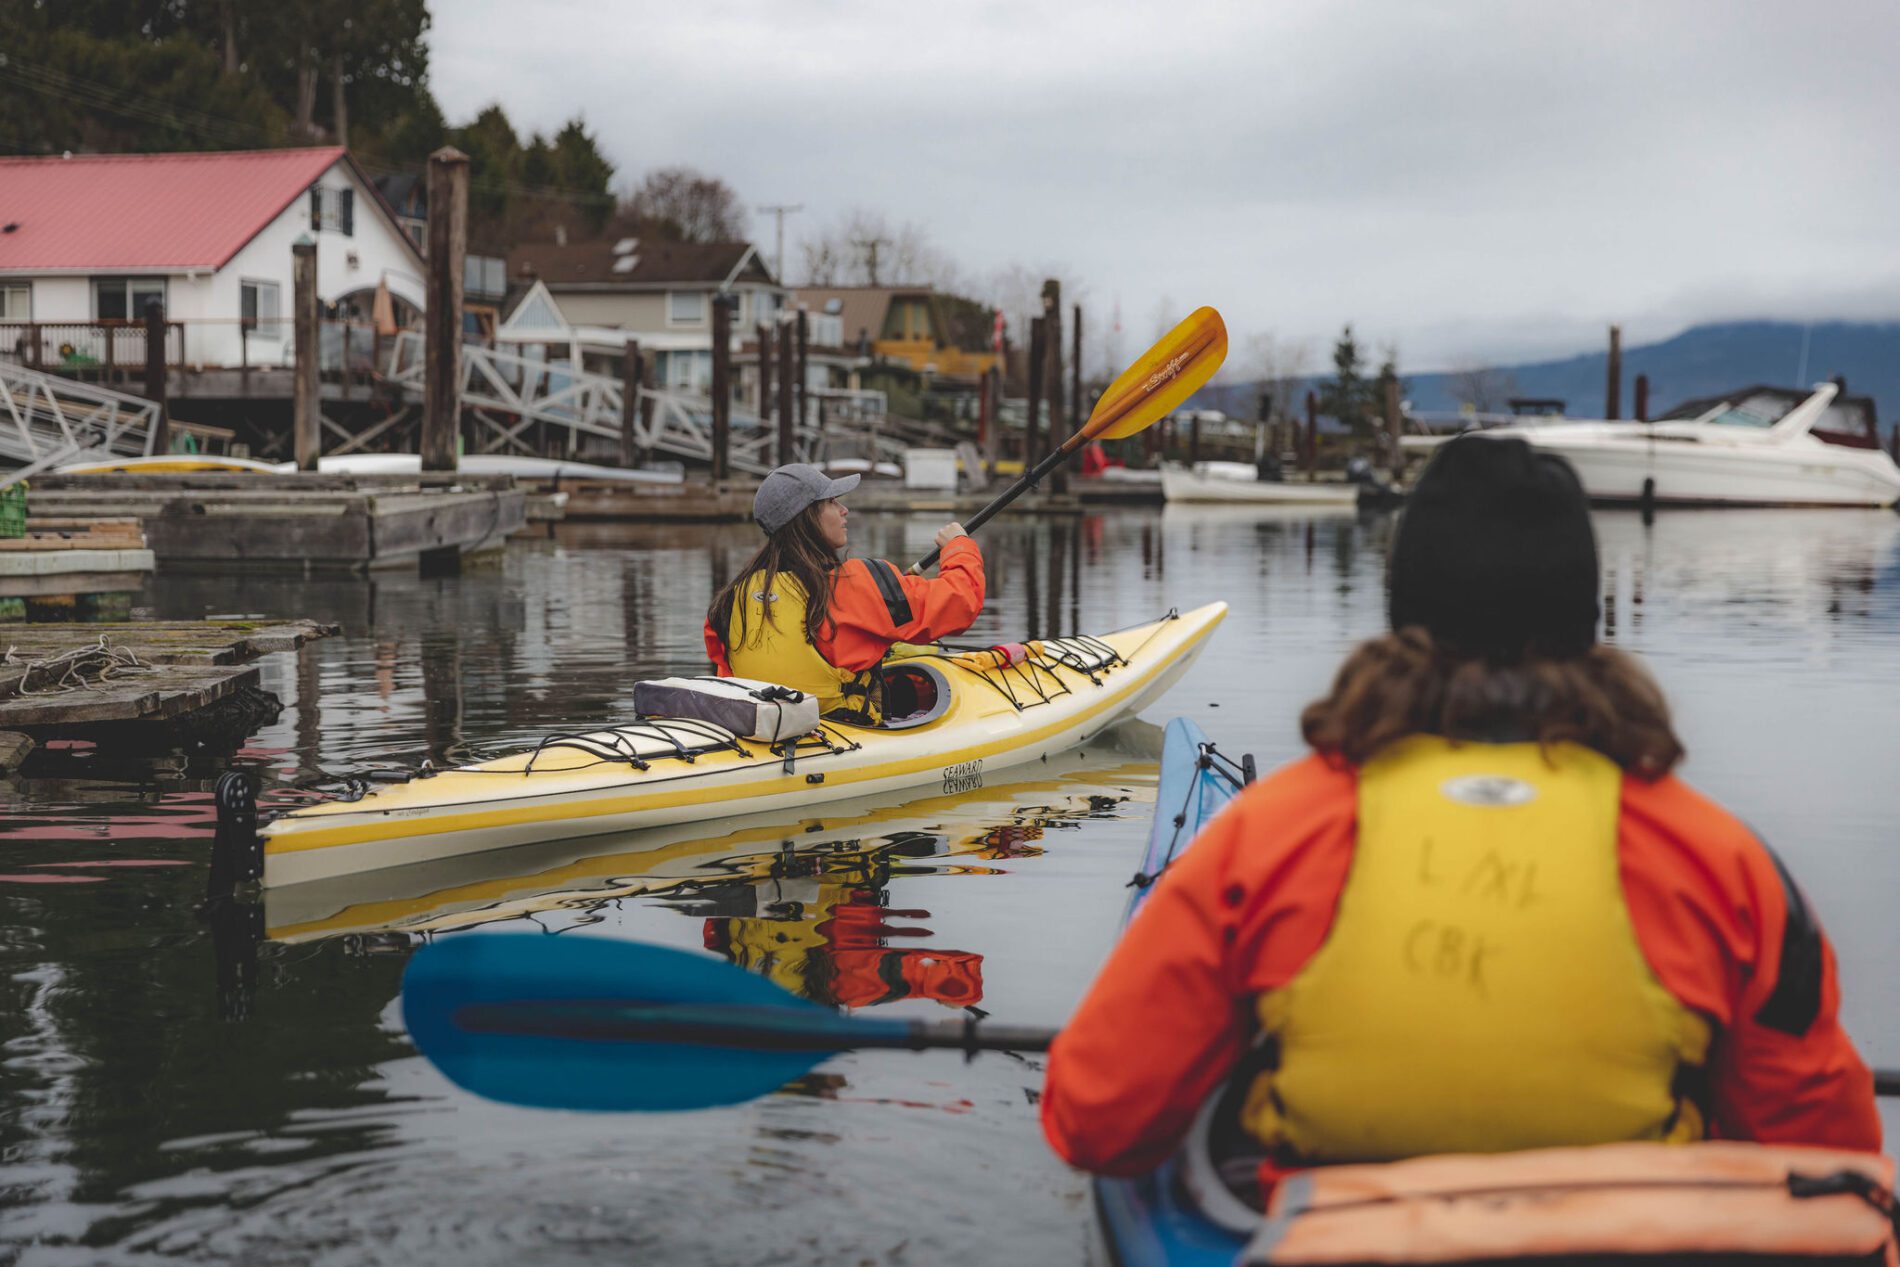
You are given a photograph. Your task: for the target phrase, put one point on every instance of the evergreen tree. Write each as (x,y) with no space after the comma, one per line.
(1347,396)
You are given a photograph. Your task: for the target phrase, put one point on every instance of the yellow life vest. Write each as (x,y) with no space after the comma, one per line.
(1481,988)
(775,649)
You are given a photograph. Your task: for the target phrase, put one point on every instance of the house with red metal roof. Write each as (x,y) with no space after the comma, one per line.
(89,240)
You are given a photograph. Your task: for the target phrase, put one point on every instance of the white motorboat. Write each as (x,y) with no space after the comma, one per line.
(1237,482)
(1762,446)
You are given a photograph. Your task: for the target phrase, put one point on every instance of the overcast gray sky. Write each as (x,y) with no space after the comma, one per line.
(1472,181)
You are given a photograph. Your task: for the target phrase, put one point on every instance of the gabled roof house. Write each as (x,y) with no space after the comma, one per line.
(93,238)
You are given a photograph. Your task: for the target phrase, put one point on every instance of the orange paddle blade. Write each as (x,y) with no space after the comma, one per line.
(1164,376)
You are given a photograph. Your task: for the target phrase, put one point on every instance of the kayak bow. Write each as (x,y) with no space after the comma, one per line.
(1149,1221)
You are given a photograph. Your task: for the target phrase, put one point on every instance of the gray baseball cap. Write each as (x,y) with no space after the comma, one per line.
(785,493)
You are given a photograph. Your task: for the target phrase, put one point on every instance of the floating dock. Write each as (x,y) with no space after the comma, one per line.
(60,557)
(74,679)
(300,522)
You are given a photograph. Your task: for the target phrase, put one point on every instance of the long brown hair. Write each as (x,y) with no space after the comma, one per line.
(1402,684)
(799,551)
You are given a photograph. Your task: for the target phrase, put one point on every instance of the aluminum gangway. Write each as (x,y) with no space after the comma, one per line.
(507,393)
(47,421)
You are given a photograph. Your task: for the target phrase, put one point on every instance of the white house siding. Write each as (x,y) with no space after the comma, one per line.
(62,299)
(636,313)
(378,246)
(644,311)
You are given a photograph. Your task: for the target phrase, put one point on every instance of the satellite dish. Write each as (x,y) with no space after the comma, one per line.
(833,306)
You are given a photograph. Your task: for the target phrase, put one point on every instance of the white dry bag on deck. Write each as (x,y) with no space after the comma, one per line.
(748,708)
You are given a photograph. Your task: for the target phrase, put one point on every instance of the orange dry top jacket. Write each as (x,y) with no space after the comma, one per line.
(875,604)
(1240,914)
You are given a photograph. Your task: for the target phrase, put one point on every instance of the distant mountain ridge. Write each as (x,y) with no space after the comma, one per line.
(1703,360)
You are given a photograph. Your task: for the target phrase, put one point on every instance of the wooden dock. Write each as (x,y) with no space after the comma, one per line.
(68,679)
(73,557)
(300,522)
(696,501)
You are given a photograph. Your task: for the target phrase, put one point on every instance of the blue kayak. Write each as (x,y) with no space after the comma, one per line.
(1149,1222)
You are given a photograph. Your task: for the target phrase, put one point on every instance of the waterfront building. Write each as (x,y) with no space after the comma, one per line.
(88,240)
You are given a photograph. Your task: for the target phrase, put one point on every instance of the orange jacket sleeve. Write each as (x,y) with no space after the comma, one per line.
(1726,929)
(1168,1015)
(875,603)
(716,652)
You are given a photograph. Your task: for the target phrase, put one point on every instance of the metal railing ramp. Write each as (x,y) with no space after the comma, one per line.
(47,421)
(508,393)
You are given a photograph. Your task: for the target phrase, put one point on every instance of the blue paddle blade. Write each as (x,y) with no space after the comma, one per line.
(455,989)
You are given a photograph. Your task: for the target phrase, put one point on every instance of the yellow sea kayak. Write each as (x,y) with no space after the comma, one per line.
(654,772)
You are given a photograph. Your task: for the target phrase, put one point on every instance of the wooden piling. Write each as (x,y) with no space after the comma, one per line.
(648,397)
(1613,377)
(306,401)
(722,306)
(442,315)
(1194,439)
(1032,423)
(1309,451)
(155,379)
(1076,409)
(1394,426)
(1642,398)
(768,379)
(985,416)
(629,402)
(803,325)
(787,402)
(992,407)
(1058,414)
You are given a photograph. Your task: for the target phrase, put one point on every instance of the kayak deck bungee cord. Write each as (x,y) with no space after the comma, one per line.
(980,710)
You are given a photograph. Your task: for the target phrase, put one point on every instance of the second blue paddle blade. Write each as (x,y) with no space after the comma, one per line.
(557,1071)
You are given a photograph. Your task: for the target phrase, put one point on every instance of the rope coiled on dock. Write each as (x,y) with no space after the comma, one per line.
(75,670)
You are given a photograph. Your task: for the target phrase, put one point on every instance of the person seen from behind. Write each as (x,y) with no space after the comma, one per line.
(801,615)
(1482,915)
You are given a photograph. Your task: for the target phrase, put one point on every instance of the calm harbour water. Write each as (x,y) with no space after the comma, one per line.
(246,1093)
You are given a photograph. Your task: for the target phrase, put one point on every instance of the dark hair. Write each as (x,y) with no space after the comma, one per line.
(1403,684)
(799,551)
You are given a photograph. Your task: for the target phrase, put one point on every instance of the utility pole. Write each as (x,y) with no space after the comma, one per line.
(778,211)
(869,247)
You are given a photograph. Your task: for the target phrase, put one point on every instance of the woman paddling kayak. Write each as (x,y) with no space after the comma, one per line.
(1482,916)
(800,616)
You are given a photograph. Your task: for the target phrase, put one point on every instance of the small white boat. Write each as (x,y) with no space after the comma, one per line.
(527,468)
(1751,449)
(1237,482)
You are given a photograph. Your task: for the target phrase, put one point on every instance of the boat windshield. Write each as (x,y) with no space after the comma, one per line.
(1758,412)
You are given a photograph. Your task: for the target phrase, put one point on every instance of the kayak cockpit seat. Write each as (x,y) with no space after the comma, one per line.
(1218,1166)
(916,693)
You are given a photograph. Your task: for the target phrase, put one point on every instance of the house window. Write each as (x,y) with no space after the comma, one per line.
(333,210)
(16,303)
(124,298)
(685,307)
(257,305)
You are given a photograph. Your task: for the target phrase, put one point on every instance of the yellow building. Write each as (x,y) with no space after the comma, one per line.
(933,333)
